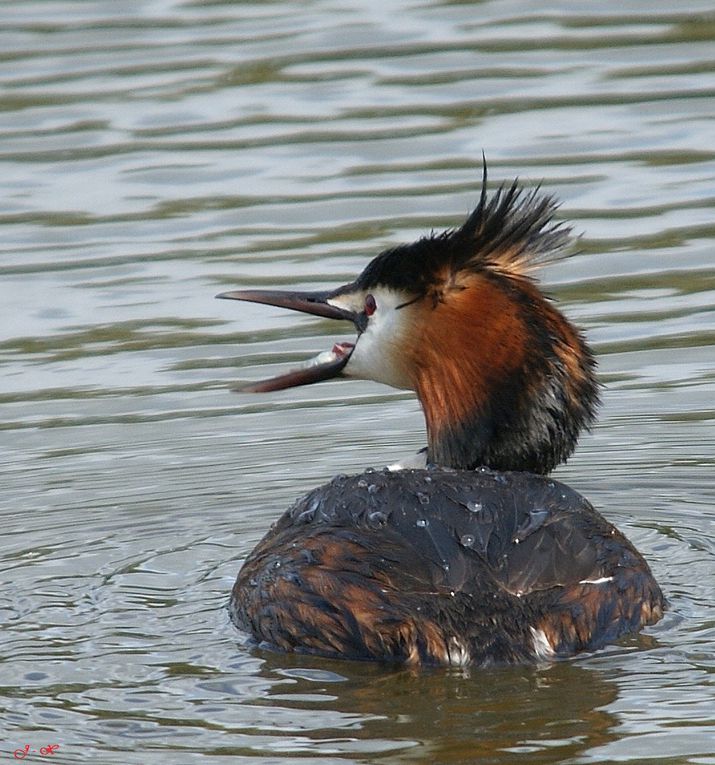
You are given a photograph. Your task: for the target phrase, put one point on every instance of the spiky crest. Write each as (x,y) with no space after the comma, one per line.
(511,234)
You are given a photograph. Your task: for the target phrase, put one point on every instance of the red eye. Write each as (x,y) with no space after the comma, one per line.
(370,305)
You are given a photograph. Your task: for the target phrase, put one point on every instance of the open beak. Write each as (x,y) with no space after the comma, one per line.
(324,366)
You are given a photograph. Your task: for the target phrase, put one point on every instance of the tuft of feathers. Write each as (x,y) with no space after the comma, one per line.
(511,233)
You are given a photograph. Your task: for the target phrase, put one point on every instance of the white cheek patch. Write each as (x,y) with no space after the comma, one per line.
(379,353)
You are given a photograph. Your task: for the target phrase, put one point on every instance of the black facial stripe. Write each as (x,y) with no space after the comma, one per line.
(409,302)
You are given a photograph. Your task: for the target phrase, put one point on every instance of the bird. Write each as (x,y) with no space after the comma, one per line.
(469,553)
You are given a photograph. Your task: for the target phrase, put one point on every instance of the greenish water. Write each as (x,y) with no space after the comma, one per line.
(153,154)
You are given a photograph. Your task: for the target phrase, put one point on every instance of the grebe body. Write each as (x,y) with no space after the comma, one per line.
(479,557)
(445,567)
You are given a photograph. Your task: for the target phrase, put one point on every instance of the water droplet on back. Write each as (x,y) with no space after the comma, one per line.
(306,516)
(376,519)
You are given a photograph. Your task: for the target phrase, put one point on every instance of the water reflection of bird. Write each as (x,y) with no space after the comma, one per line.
(474,555)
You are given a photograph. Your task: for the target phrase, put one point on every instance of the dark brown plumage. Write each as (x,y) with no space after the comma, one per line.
(444,567)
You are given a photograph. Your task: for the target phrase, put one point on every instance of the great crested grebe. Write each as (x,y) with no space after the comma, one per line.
(477,557)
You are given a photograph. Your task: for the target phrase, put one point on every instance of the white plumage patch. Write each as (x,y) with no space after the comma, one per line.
(414,462)
(457,654)
(379,353)
(542,648)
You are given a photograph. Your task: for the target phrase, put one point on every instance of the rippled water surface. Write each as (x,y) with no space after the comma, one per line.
(155,153)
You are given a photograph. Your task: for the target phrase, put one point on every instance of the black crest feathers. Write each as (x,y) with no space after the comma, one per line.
(511,233)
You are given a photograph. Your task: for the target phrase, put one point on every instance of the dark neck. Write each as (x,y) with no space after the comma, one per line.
(518,394)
